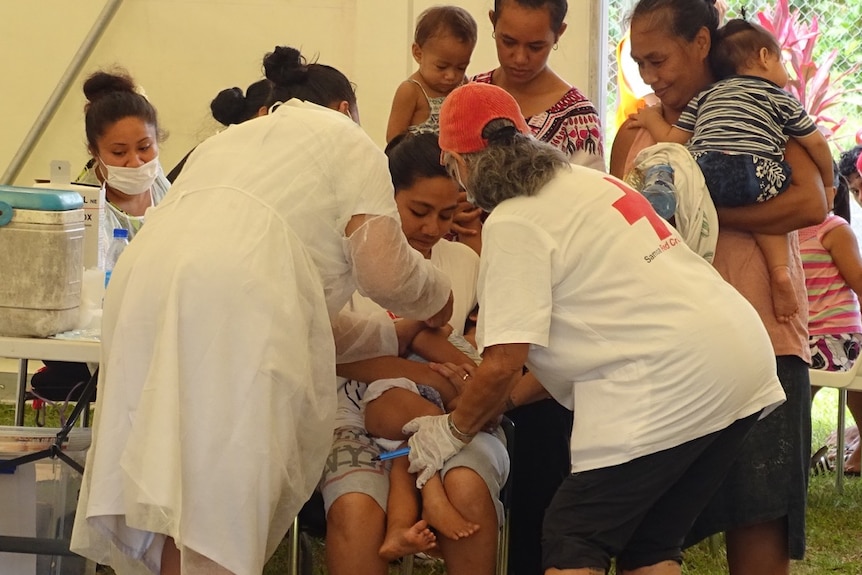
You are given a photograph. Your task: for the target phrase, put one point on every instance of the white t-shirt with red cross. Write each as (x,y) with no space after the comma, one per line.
(628,327)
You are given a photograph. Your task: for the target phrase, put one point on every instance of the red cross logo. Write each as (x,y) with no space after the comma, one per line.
(634,206)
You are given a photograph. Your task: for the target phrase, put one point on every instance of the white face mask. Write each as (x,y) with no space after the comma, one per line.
(132,181)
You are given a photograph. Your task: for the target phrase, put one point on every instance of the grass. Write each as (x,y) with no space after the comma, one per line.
(834,520)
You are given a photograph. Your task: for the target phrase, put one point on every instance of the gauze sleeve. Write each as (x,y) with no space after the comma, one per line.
(393,274)
(361,336)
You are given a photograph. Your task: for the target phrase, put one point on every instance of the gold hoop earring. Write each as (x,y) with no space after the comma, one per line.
(493,35)
(556,46)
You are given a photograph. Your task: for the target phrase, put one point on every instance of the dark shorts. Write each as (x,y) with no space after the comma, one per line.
(540,463)
(742,179)
(639,511)
(769,479)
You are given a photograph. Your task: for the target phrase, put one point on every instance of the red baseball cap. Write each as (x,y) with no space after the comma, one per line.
(468,109)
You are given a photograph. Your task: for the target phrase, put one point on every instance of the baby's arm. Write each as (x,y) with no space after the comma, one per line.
(403,109)
(818,148)
(652,120)
(386,367)
(433,345)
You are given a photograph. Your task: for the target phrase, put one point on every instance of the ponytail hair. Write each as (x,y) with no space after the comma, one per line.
(231,106)
(293,77)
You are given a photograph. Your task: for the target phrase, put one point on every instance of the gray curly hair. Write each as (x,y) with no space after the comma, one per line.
(512,165)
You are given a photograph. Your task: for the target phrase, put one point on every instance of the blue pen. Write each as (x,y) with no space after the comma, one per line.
(391,454)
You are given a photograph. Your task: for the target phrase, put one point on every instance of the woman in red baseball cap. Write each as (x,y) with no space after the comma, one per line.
(583,283)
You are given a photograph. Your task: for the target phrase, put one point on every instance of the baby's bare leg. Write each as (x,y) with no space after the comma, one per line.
(776,252)
(441,514)
(386,415)
(404,534)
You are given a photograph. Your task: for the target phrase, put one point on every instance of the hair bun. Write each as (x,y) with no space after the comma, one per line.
(228,106)
(285,66)
(101,84)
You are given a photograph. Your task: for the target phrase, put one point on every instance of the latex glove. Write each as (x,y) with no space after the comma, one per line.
(431,445)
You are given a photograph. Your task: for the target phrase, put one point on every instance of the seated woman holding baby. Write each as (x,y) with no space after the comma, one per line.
(370,519)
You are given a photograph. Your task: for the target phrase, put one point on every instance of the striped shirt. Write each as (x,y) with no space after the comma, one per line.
(832,306)
(744,115)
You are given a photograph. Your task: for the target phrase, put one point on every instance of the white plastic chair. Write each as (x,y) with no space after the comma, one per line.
(842,381)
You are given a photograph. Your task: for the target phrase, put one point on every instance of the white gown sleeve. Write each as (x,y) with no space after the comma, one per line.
(363,336)
(393,274)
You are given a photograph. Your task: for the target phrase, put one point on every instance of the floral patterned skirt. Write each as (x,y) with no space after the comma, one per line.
(742,179)
(834,352)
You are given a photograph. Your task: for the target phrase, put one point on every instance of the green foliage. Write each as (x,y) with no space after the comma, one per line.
(811,82)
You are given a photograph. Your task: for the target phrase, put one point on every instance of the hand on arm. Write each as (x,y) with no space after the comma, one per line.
(387,367)
(433,345)
(801,205)
(651,119)
(436,439)
(488,389)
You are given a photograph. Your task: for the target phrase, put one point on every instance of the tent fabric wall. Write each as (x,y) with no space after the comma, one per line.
(184,51)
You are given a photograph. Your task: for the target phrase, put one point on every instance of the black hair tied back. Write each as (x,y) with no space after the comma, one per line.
(285,66)
(228,106)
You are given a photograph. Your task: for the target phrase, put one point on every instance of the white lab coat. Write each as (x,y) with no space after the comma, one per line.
(217,386)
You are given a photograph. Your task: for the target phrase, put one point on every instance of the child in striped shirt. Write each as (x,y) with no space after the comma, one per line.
(737,130)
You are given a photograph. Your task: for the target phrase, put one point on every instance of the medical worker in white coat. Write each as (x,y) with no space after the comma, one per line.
(217,383)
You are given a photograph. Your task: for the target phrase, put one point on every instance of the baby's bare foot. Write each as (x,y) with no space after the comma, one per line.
(402,542)
(783,295)
(443,517)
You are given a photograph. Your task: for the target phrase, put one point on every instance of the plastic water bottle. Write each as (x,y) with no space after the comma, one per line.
(115,248)
(659,190)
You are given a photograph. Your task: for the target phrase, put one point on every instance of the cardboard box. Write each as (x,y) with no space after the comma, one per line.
(95,243)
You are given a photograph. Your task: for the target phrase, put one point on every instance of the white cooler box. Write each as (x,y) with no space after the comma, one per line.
(41,260)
